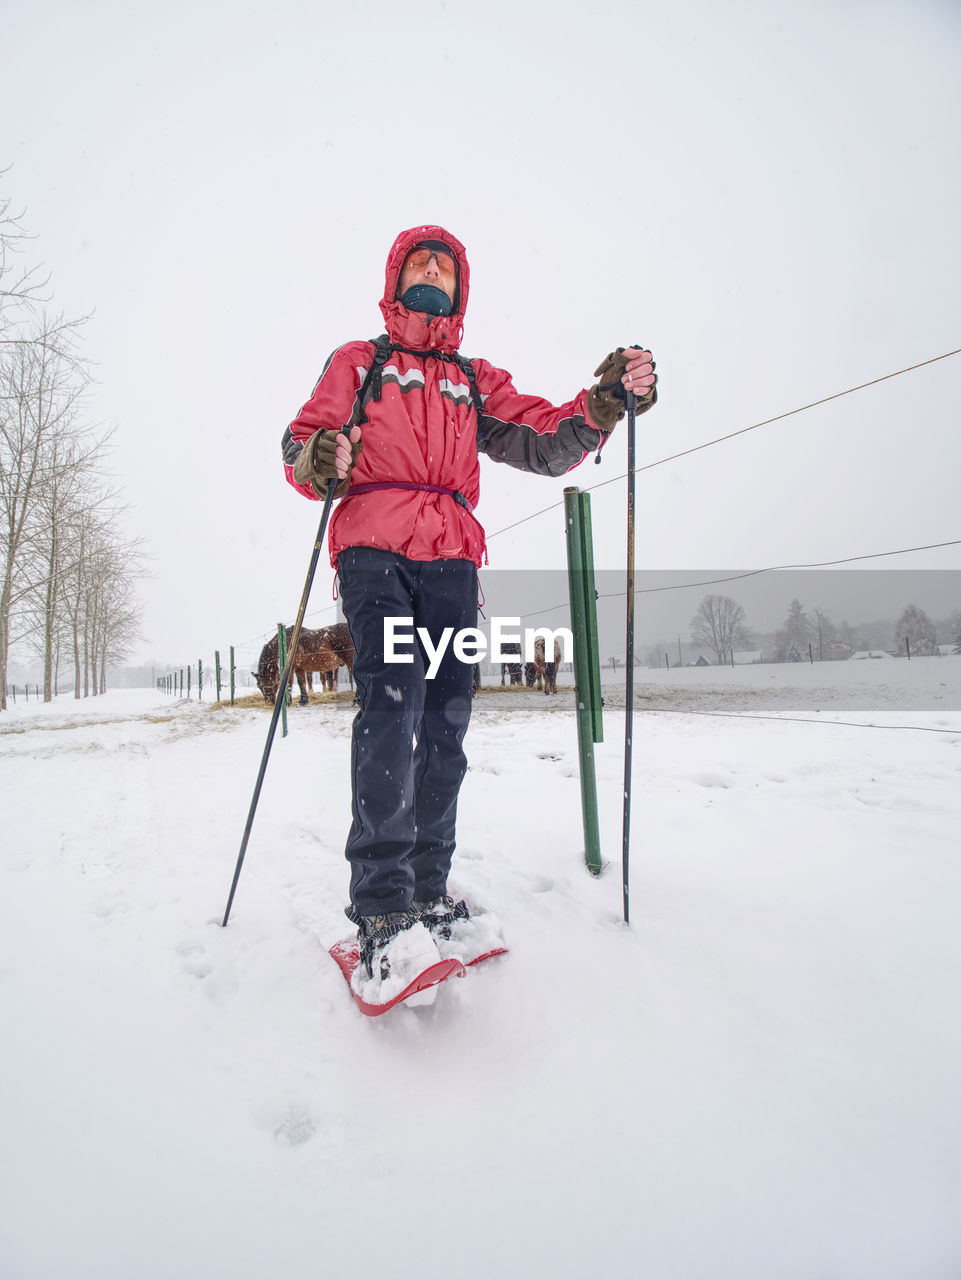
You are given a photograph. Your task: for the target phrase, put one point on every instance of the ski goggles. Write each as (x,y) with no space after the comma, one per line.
(446,262)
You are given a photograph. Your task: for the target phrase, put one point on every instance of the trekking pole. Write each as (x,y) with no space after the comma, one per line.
(629,654)
(281,699)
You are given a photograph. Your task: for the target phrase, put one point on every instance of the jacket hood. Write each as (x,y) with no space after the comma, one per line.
(414,329)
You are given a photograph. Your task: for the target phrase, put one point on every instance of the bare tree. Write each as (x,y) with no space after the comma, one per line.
(825,631)
(41,383)
(657,655)
(721,625)
(115,611)
(915,628)
(72,501)
(24,289)
(98,595)
(21,287)
(66,571)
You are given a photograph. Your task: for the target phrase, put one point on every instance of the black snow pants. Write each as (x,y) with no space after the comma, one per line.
(407,756)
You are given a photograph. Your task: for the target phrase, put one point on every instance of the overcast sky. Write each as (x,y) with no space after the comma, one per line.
(766,193)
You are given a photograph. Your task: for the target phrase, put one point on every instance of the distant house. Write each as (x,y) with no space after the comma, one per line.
(949,650)
(869,653)
(701,662)
(835,651)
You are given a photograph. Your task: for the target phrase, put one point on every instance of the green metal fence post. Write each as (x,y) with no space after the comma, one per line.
(590,603)
(580,573)
(217,671)
(231,675)
(200,680)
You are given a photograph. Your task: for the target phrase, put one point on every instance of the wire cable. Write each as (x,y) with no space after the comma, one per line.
(848,724)
(753,573)
(784,568)
(790,413)
(731,435)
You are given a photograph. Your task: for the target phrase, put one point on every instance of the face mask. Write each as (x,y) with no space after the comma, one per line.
(427,298)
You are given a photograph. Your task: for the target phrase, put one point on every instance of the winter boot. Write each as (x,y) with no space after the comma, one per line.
(440,914)
(459,932)
(394,943)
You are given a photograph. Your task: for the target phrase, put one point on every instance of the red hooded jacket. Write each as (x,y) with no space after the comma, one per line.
(424,429)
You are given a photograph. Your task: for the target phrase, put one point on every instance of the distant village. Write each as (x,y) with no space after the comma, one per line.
(720,636)
(836,652)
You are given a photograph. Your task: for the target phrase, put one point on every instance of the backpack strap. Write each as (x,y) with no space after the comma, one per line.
(373,380)
(468,370)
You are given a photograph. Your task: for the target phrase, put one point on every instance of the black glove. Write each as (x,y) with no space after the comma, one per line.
(317,463)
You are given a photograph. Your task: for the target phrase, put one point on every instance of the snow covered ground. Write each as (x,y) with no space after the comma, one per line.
(759,1078)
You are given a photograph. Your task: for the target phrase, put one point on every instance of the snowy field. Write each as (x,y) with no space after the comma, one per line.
(759,1078)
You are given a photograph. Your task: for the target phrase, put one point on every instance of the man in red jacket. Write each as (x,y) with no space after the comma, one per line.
(397,427)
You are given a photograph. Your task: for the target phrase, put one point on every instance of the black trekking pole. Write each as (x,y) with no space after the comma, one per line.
(282,688)
(629,654)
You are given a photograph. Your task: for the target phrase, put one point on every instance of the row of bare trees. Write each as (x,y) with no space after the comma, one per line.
(804,633)
(68,572)
(720,625)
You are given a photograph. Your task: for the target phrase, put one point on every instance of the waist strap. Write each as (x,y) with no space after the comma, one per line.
(356,489)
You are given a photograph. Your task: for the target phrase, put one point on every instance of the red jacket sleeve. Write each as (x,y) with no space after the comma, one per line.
(528,432)
(330,405)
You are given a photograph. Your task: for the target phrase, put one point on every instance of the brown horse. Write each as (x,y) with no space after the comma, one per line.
(540,671)
(324,651)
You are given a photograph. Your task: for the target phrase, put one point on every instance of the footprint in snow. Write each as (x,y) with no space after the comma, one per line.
(195,960)
(296,1127)
(712,780)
